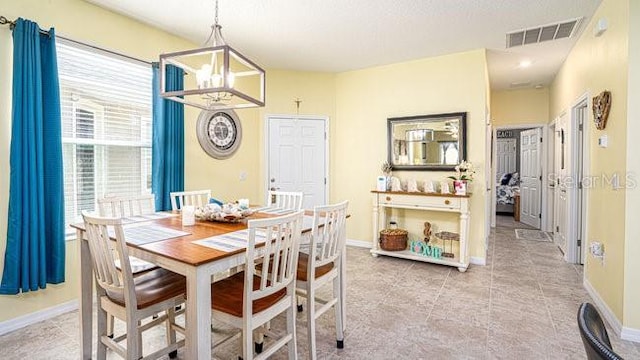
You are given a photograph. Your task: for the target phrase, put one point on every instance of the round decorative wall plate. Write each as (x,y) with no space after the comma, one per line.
(219,132)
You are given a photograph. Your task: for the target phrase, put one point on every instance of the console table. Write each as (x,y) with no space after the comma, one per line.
(428,202)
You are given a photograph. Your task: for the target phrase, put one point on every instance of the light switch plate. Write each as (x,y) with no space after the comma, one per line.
(603,141)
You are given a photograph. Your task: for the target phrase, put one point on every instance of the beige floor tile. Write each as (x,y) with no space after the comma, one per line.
(522,305)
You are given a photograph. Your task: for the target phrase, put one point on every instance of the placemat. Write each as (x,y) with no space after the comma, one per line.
(230,241)
(141,234)
(146,217)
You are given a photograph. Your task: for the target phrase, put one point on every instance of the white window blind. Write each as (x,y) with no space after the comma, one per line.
(106,126)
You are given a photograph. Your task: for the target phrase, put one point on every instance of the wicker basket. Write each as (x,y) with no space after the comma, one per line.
(393,239)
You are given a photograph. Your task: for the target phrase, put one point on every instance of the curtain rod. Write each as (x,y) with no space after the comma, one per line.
(12,24)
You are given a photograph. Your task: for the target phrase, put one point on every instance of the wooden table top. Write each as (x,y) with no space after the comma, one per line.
(183,249)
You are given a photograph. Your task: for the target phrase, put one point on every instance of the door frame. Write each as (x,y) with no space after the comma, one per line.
(551,153)
(572,255)
(267,156)
(543,163)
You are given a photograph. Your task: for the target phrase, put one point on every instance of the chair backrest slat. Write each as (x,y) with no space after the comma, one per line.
(106,253)
(123,206)
(291,200)
(280,254)
(328,235)
(196,198)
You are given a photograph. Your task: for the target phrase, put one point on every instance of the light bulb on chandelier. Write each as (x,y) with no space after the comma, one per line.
(216,86)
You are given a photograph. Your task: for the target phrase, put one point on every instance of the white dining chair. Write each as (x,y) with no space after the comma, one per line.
(197,198)
(123,206)
(130,298)
(247,301)
(288,200)
(321,265)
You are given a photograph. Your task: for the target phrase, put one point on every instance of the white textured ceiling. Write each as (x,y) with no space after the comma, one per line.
(342,35)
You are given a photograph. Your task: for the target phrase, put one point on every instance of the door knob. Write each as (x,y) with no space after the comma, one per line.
(273,188)
(273,180)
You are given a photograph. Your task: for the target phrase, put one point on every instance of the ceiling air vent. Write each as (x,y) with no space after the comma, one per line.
(542,33)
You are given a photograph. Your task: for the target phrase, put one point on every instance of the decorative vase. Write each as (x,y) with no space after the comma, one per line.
(460,187)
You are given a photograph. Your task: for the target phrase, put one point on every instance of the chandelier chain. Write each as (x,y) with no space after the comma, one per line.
(215,19)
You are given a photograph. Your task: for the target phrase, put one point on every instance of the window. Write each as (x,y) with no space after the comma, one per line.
(449,153)
(106,126)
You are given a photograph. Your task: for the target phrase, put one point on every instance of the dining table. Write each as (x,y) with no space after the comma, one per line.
(185,254)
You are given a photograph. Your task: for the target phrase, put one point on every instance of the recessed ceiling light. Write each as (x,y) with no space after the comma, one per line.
(524,64)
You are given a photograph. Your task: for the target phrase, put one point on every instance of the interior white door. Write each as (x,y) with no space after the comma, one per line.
(561,219)
(297,158)
(530,177)
(506,156)
(581,113)
(549,181)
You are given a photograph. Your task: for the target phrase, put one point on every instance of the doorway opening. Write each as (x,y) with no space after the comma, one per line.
(519,167)
(570,162)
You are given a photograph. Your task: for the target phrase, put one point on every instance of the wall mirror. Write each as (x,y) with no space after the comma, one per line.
(427,142)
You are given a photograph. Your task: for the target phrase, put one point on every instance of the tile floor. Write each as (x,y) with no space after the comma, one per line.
(522,305)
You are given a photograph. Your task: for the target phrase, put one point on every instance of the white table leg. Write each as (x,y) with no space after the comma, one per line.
(86,297)
(198,321)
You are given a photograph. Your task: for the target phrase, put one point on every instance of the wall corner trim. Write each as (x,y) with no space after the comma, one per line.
(605,310)
(37,316)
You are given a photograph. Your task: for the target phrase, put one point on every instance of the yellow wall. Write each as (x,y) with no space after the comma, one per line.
(315,90)
(524,106)
(81,21)
(223,177)
(596,64)
(631,317)
(364,101)
(317,93)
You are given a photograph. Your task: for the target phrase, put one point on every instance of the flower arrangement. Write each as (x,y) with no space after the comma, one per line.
(386,168)
(465,171)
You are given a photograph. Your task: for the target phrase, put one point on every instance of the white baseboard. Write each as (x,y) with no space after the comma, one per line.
(630,334)
(359,243)
(604,309)
(34,317)
(475,260)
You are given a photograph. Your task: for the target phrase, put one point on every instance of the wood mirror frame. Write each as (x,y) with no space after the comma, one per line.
(427,142)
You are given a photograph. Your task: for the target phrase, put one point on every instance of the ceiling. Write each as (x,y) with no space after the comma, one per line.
(342,35)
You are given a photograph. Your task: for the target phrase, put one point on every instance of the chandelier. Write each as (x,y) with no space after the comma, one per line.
(223,78)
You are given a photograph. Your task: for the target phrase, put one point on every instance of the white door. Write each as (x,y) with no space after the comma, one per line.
(581,114)
(550,181)
(506,156)
(561,220)
(530,177)
(297,157)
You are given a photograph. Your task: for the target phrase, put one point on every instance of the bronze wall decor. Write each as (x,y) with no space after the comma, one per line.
(601,106)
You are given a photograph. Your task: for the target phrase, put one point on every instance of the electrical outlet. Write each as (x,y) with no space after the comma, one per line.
(393,220)
(597,249)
